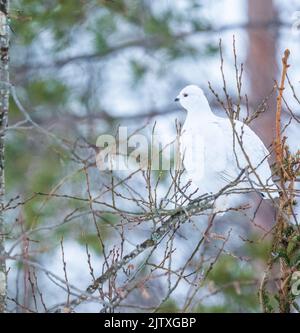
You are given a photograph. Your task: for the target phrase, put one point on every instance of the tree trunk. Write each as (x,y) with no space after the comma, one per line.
(261,64)
(262,68)
(4,102)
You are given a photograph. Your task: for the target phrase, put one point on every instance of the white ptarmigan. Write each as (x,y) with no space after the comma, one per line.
(216,150)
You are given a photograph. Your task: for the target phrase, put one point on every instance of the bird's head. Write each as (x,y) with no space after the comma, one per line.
(190,97)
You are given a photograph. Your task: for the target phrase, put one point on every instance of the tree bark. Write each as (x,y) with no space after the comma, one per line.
(4,103)
(262,69)
(261,64)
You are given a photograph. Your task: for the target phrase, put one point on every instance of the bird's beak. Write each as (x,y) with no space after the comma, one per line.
(176,99)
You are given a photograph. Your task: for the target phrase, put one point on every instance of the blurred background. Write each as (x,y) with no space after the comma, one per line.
(81,68)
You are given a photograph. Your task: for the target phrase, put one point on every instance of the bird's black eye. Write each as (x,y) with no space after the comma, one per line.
(185,95)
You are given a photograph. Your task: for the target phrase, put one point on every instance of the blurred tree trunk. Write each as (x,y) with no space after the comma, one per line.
(4,102)
(262,65)
(262,68)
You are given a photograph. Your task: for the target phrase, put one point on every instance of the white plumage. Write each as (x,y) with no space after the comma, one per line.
(215,150)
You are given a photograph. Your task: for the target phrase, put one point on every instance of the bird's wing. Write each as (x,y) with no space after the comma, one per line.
(223,158)
(203,150)
(216,148)
(247,148)
(254,149)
